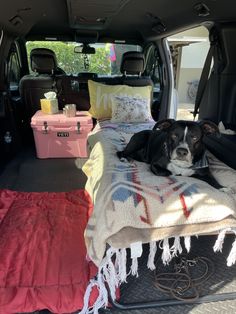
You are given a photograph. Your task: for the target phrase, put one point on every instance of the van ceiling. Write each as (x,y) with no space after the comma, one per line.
(104,20)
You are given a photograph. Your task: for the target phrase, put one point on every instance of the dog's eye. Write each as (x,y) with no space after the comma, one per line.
(174,136)
(194,138)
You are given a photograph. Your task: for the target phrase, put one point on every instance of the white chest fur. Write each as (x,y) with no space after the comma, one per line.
(177,170)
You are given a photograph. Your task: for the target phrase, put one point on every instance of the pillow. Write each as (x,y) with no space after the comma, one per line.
(130,109)
(101,97)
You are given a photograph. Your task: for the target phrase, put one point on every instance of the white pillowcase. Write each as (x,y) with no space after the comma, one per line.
(130,109)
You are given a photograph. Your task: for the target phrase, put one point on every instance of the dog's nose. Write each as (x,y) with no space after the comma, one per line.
(181,152)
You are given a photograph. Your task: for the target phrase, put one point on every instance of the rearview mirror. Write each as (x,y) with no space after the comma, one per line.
(85,49)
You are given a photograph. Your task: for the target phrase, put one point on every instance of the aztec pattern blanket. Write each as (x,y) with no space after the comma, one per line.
(133,206)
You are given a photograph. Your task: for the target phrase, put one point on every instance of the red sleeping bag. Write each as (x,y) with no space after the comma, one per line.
(42,251)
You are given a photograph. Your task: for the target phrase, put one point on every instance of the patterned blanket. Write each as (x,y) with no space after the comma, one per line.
(133,206)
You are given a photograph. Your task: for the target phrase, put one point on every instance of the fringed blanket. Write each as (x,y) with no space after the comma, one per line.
(133,206)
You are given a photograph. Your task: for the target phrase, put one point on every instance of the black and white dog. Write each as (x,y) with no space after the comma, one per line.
(174,147)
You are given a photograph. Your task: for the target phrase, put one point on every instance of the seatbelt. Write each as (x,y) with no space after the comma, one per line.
(204,78)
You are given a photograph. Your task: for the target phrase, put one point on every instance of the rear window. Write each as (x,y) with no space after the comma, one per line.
(105,61)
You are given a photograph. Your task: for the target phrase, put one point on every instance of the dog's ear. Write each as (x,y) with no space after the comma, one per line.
(163,124)
(209,128)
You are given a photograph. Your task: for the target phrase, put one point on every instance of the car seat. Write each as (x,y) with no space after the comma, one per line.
(32,87)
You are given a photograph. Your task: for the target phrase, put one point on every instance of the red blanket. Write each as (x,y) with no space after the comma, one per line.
(42,252)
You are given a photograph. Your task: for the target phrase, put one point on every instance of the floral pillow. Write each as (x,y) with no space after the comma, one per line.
(130,109)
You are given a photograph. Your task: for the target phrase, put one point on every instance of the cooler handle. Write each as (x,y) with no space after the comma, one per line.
(53,128)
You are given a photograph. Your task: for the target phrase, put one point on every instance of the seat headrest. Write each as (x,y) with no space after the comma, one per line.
(133,62)
(43,61)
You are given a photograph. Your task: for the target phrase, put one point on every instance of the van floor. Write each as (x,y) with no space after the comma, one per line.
(29,174)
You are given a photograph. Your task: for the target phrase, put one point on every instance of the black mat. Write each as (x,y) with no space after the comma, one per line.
(30,174)
(223,280)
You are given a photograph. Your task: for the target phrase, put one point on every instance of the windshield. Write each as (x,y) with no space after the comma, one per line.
(105,61)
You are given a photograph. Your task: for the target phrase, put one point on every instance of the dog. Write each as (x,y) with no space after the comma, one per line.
(174,148)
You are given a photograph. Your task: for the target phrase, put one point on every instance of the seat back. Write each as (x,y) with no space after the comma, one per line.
(44,61)
(73,90)
(132,68)
(32,87)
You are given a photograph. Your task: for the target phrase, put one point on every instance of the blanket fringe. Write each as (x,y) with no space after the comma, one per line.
(231,259)
(166,254)
(102,300)
(134,267)
(106,274)
(187,243)
(220,240)
(176,247)
(110,275)
(151,257)
(169,252)
(120,265)
(123,271)
(88,291)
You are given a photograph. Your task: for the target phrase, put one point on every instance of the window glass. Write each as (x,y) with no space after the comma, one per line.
(189,50)
(105,61)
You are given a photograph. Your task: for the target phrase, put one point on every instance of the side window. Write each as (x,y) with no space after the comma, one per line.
(13,75)
(189,50)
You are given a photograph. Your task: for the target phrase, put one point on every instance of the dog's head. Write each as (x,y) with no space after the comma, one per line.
(184,139)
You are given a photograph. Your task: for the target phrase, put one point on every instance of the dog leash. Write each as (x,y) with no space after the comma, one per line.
(180,284)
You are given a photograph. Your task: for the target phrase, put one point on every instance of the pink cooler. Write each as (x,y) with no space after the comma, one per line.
(57,136)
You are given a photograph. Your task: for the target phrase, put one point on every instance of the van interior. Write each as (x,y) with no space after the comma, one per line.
(59,45)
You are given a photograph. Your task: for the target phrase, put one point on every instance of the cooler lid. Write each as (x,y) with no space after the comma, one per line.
(60,119)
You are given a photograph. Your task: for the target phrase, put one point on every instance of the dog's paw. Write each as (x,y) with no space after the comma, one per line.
(160,171)
(226,190)
(123,159)
(119,154)
(128,162)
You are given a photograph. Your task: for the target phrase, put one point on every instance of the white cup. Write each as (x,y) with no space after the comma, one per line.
(70,110)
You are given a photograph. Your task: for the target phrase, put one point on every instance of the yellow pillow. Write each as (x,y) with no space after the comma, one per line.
(101,97)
